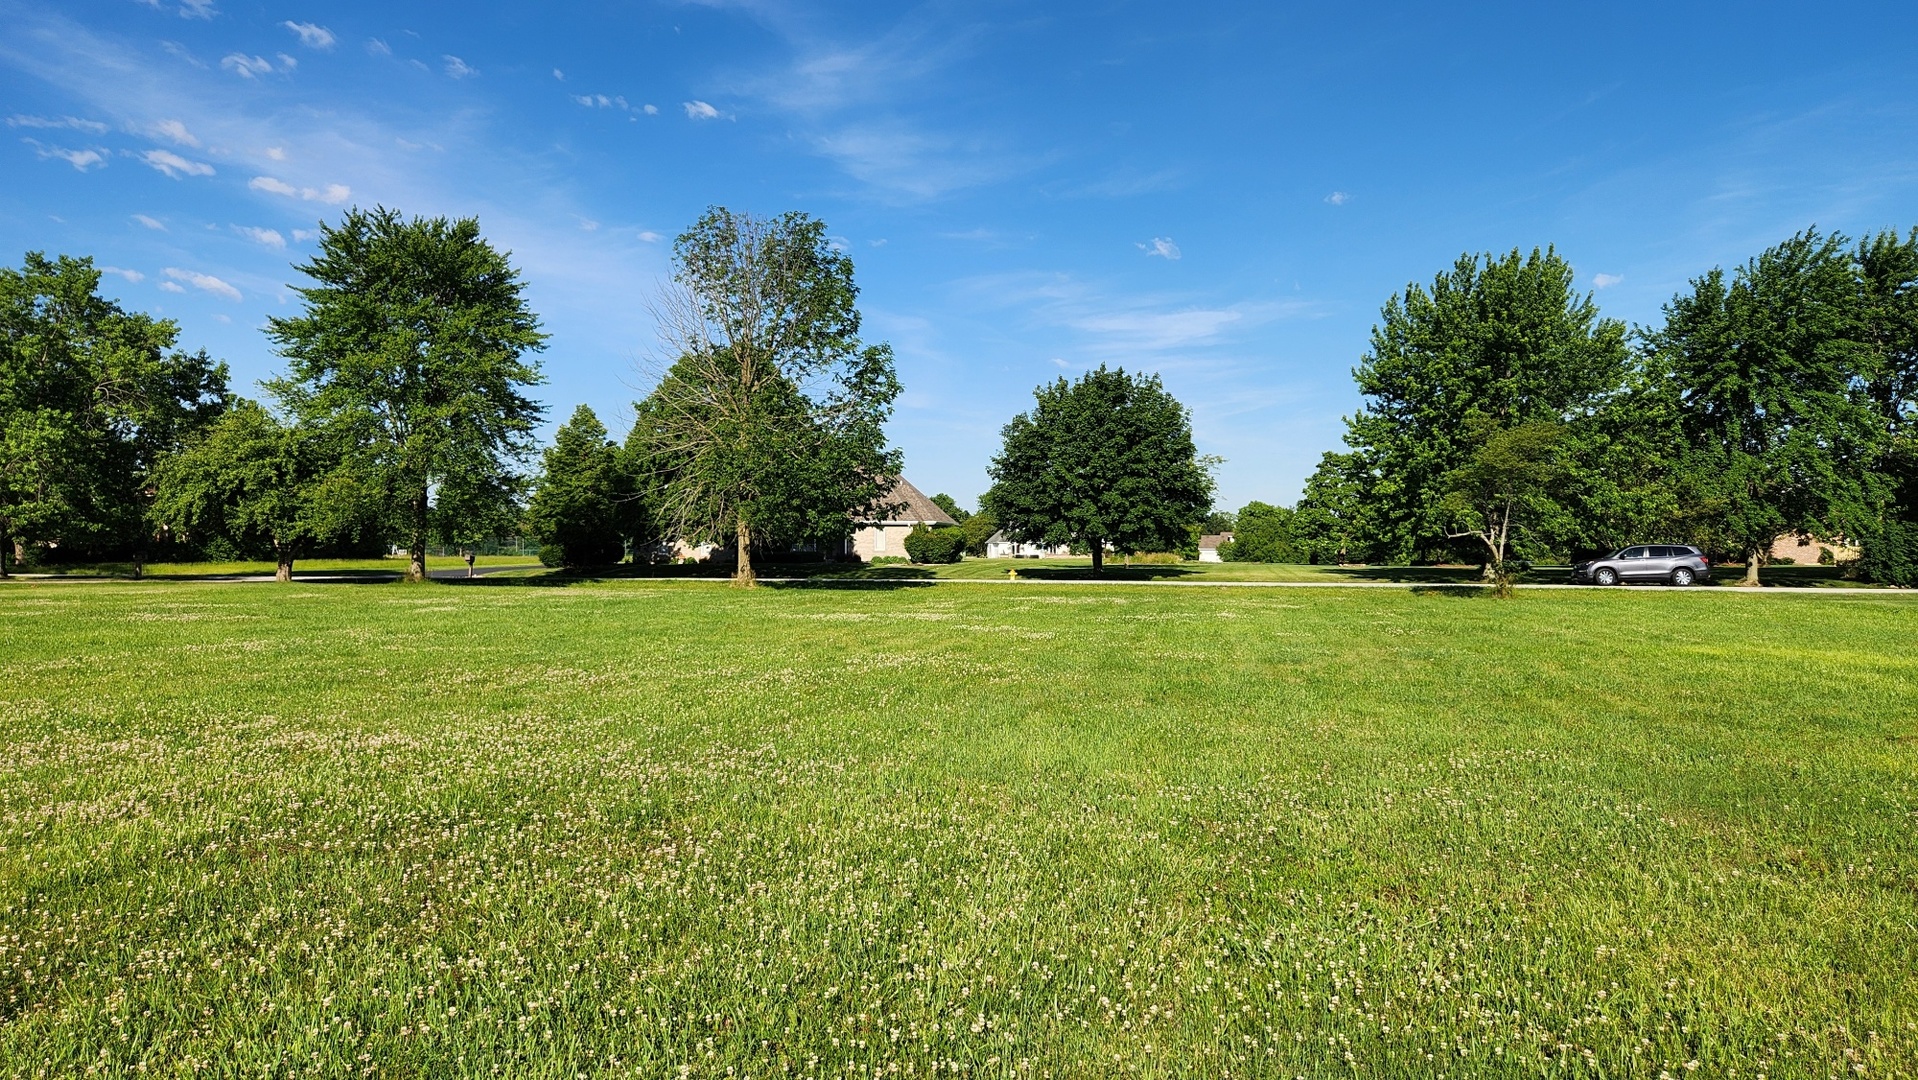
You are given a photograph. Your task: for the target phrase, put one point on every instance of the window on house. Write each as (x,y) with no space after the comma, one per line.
(879,541)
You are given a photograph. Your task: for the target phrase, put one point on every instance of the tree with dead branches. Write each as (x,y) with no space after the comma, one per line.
(767,424)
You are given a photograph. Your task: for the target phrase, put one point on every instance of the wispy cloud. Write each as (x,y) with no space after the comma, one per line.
(331,194)
(91,127)
(648,236)
(1160,247)
(172,286)
(311,35)
(175,131)
(699,110)
(1606,281)
(457,68)
(264,237)
(174,165)
(1338,198)
(134,276)
(150,222)
(247,67)
(79,159)
(198,9)
(558,74)
(376,47)
(203,282)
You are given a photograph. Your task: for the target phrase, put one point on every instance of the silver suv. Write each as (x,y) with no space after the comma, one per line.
(1646,562)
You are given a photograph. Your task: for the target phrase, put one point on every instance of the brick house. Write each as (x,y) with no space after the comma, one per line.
(887,539)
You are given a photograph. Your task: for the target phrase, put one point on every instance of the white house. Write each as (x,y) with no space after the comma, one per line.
(887,539)
(1001,546)
(1209,546)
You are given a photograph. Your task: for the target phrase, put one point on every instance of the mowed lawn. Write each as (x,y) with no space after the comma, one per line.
(672,828)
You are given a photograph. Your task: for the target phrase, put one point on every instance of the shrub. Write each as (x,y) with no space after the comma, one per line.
(1826,558)
(940,545)
(1157,558)
(1891,555)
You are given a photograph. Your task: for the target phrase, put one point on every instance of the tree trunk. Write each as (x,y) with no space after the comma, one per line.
(283,562)
(416,569)
(1751,568)
(6,550)
(1098,557)
(743,571)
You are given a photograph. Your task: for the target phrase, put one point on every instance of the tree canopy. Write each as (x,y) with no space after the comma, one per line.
(585,506)
(91,396)
(768,426)
(414,349)
(258,482)
(1105,460)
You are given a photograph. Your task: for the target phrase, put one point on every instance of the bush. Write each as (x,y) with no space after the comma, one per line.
(1891,555)
(941,545)
(1826,558)
(1156,558)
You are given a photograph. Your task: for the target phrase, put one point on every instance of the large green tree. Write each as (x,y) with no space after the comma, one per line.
(1773,367)
(584,506)
(1499,340)
(1888,531)
(1105,460)
(1262,532)
(255,481)
(768,427)
(91,396)
(415,346)
(1502,488)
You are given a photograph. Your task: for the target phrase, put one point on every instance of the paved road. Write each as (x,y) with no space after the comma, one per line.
(453,574)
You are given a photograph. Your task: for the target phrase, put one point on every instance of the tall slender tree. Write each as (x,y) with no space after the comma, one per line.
(415,346)
(768,425)
(1106,460)
(584,507)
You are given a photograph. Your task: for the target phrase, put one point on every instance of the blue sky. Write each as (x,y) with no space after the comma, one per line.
(1223,194)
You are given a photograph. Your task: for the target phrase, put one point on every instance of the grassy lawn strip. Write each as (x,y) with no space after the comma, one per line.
(617,828)
(393,565)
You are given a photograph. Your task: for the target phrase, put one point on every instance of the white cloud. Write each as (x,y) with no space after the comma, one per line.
(1338,198)
(331,194)
(699,110)
(1161,247)
(650,110)
(312,35)
(175,131)
(648,236)
(247,67)
(264,237)
(287,63)
(131,275)
(1160,330)
(197,9)
(588,225)
(1606,281)
(558,74)
(203,282)
(276,153)
(457,68)
(170,286)
(376,47)
(180,51)
(301,236)
(79,159)
(92,127)
(174,165)
(152,223)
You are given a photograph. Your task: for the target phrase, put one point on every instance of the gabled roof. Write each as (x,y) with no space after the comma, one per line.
(1213,540)
(919,509)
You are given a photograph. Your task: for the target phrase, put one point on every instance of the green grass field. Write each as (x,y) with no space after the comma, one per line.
(675,829)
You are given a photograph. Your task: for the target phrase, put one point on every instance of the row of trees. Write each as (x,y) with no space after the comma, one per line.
(1505,419)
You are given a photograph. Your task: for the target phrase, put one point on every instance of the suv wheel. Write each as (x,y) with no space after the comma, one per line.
(1682,576)
(1606,576)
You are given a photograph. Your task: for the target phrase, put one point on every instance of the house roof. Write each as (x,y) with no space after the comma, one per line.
(999,537)
(919,509)
(1213,540)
